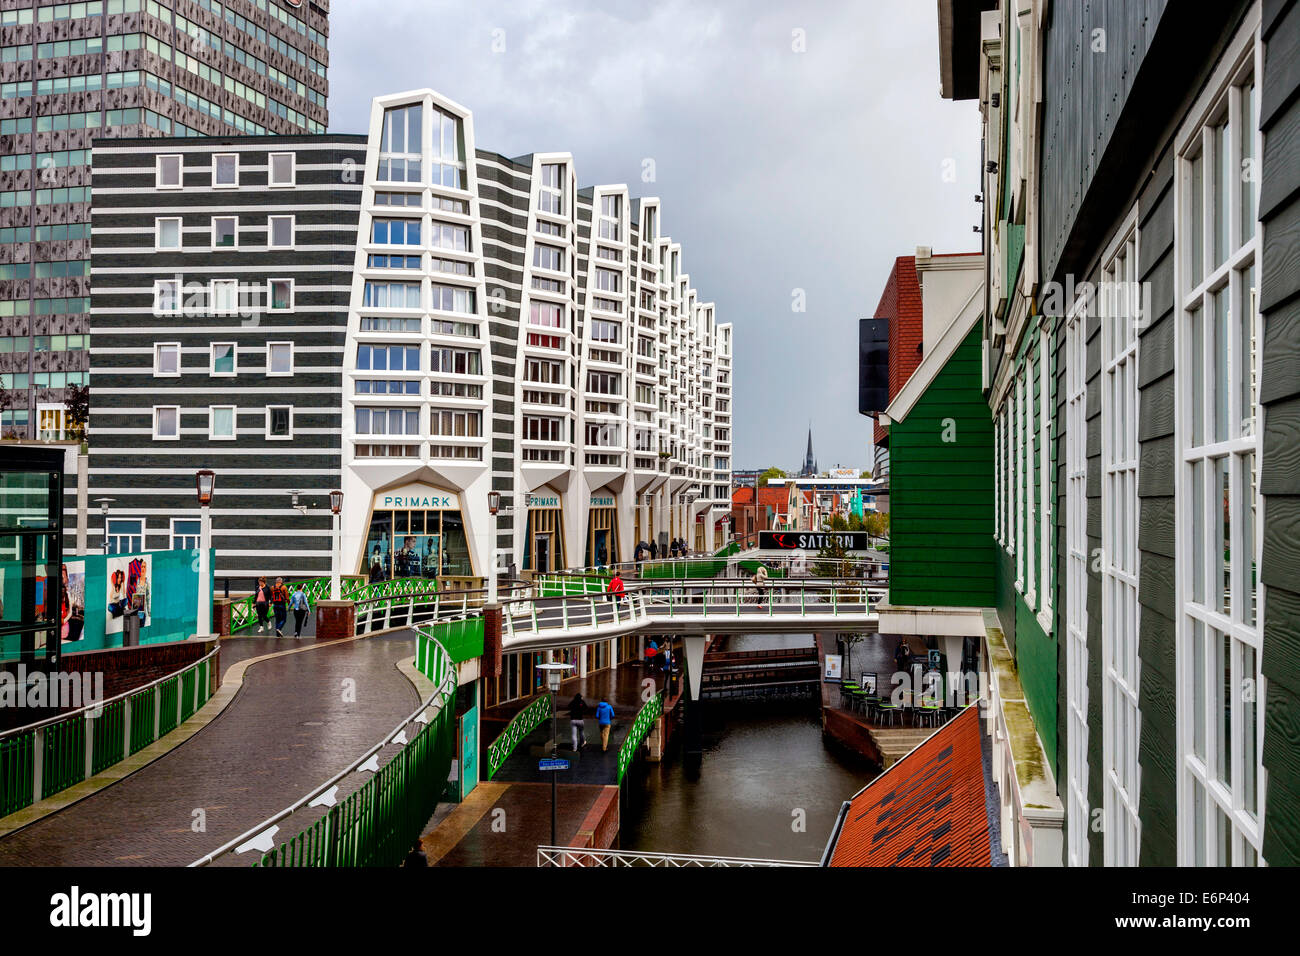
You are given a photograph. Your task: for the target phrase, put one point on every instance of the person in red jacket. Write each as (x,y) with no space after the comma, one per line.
(616,587)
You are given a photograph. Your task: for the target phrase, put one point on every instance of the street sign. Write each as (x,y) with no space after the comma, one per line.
(552,764)
(813,541)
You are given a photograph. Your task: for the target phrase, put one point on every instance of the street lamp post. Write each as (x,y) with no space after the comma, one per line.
(103,510)
(336,545)
(554,676)
(494,506)
(206,483)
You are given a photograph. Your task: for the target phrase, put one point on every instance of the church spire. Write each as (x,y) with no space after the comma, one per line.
(809,462)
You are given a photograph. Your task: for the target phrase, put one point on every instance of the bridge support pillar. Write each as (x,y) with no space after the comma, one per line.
(491,661)
(694,742)
(335,620)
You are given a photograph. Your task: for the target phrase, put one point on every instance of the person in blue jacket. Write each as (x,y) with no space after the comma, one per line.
(604,717)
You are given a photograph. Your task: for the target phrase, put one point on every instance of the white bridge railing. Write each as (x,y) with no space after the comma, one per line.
(577,856)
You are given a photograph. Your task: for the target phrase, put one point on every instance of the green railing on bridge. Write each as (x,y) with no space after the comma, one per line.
(88,741)
(243,615)
(463,638)
(378,823)
(680,570)
(523,724)
(641,725)
(570,585)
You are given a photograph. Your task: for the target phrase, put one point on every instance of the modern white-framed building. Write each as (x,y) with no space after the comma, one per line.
(534,339)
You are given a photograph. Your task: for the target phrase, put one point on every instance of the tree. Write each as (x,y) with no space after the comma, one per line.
(773,472)
(78,406)
(830,560)
(876,524)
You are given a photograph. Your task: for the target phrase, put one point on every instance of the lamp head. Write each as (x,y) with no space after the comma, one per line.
(336,501)
(206,483)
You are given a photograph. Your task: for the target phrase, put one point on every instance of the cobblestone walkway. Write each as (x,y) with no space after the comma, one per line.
(289,729)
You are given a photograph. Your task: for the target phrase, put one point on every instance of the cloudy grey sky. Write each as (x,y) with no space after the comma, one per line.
(779,170)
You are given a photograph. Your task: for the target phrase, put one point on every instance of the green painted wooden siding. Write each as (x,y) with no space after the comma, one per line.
(941,493)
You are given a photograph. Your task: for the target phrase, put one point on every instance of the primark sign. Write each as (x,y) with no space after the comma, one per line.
(418,497)
(814,540)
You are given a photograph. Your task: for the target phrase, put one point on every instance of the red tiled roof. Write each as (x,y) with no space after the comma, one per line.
(926,810)
(743,495)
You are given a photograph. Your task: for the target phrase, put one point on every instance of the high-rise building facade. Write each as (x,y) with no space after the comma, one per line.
(416,322)
(70,72)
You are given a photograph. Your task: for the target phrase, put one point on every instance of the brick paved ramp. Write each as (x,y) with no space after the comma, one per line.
(288,730)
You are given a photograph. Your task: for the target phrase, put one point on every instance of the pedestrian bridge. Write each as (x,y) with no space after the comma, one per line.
(547,613)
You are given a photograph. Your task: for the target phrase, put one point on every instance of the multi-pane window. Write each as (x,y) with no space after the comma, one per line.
(607,280)
(456,361)
(447,235)
(448,151)
(185,534)
(546,314)
(455,423)
(400,146)
(550,194)
(391,295)
(1046,408)
(544,371)
(388,358)
(395,232)
(605,383)
(606,331)
(548,257)
(1019,472)
(1118,307)
(1078,821)
(538,428)
(611,218)
(387,421)
(1217,448)
(124,536)
(451,298)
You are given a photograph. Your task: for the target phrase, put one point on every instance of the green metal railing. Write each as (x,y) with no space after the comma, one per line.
(568,585)
(42,759)
(641,725)
(243,615)
(523,724)
(378,822)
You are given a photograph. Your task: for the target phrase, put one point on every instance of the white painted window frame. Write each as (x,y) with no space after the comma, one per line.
(217,185)
(293,232)
(234,423)
(270,349)
(212,234)
(157,234)
(157,365)
(270,167)
(1078,812)
(1197,783)
(159,437)
(267,431)
(180,172)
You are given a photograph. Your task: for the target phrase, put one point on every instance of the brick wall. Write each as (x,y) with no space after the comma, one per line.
(900,302)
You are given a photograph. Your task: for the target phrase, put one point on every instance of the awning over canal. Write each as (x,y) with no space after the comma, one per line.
(928,809)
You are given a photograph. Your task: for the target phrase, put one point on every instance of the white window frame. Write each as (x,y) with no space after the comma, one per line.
(157,365)
(157,234)
(60,412)
(116,536)
(1029,464)
(212,234)
(270,167)
(1018,476)
(212,359)
(217,185)
(270,227)
(234,423)
(180,171)
(1199,786)
(270,347)
(1121,714)
(268,435)
(173,534)
(158,285)
(1078,815)
(997,477)
(212,296)
(156,435)
(270,307)
(1046,408)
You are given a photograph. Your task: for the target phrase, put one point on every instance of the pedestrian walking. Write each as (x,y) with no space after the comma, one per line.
(654,550)
(300,607)
(651,652)
(902,655)
(280,605)
(616,587)
(261,603)
(577,723)
(604,717)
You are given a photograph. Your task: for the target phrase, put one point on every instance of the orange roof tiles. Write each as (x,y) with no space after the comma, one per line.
(926,810)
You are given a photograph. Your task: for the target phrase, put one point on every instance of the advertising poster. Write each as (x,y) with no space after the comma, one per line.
(73,612)
(834,662)
(129,585)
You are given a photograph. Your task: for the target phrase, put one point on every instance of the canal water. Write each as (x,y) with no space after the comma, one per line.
(768,786)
